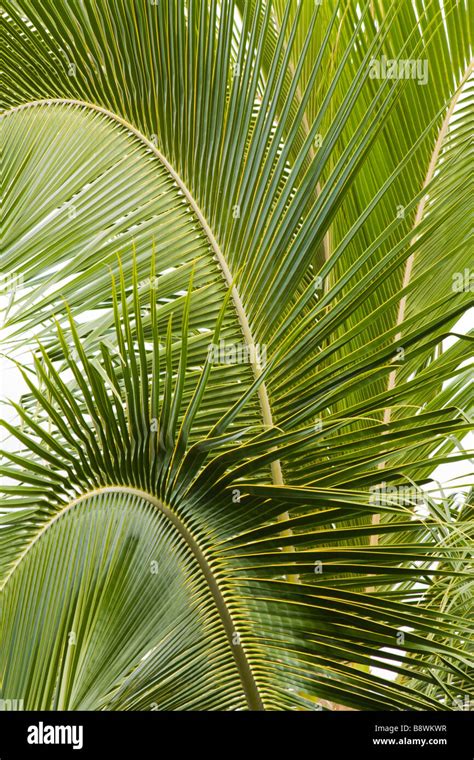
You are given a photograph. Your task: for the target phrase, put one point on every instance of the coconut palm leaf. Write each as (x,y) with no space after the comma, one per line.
(188,529)
(113,501)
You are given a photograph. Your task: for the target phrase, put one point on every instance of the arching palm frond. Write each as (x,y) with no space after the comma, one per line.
(234,251)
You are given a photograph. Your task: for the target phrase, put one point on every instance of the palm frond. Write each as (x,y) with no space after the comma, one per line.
(191,176)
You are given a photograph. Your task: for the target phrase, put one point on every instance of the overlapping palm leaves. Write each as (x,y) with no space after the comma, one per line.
(186,535)
(115,488)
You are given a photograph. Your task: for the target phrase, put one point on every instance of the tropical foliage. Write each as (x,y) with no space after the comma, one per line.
(233,252)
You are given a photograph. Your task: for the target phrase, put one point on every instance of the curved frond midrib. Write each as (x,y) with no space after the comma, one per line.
(249,685)
(409,264)
(230,280)
(263,397)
